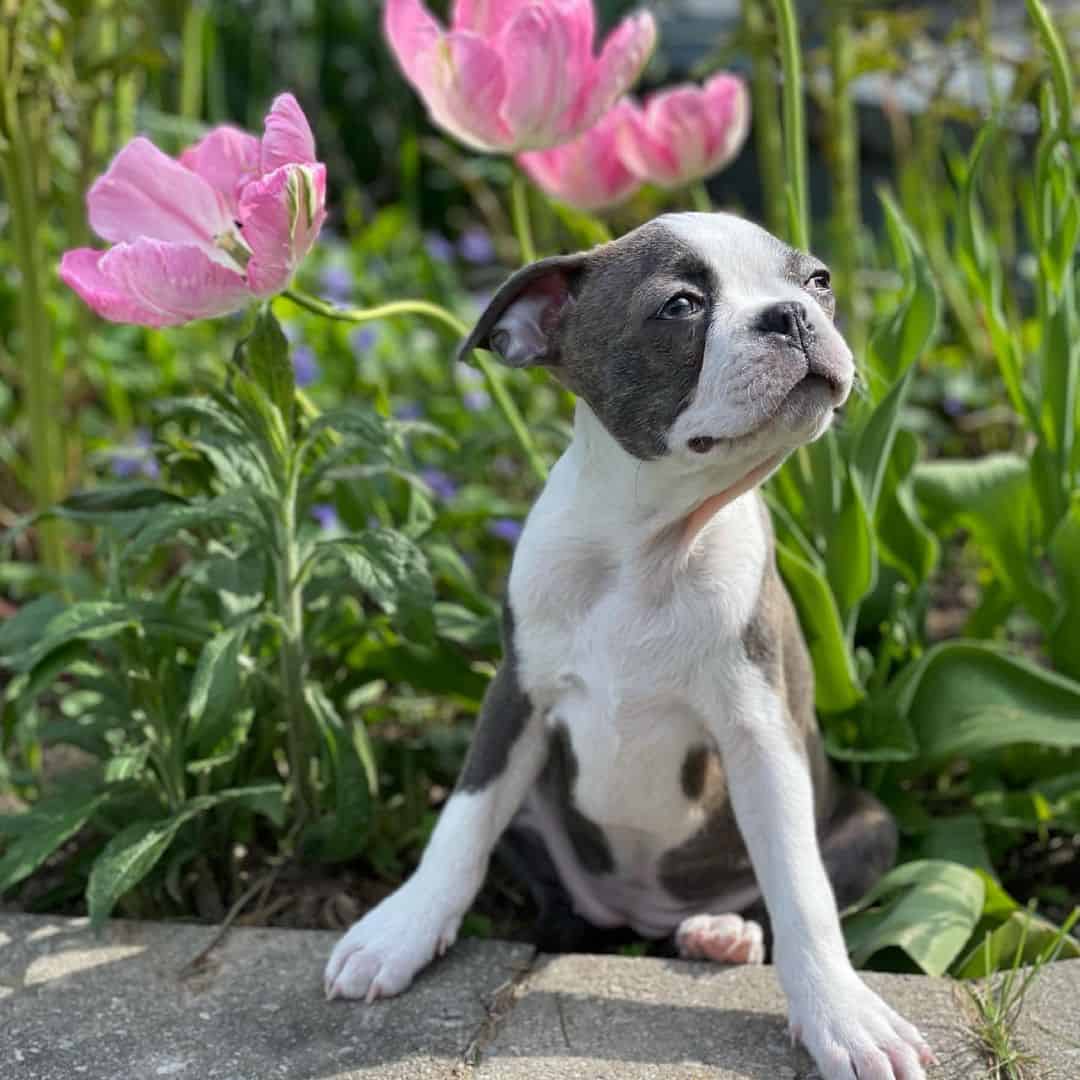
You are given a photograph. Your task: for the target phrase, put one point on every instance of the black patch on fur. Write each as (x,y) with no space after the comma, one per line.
(692,774)
(503,716)
(558,779)
(759,640)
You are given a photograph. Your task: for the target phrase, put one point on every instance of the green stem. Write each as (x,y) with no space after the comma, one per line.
(494,377)
(291,612)
(699,196)
(519,208)
(794,123)
(191,62)
(1059,64)
(41,380)
(768,135)
(845,168)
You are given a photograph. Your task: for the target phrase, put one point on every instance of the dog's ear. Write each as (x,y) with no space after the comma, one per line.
(521,323)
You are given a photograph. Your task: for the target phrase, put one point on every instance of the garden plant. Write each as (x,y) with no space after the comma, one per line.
(257,520)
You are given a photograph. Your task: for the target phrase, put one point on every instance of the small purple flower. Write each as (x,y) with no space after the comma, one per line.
(136,459)
(953,407)
(337,282)
(476,400)
(505,529)
(476,246)
(439,249)
(327,517)
(305,366)
(440,482)
(363,338)
(408,410)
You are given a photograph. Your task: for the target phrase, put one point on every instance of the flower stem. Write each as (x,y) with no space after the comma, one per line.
(794,123)
(492,374)
(699,196)
(519,208)
(766,104)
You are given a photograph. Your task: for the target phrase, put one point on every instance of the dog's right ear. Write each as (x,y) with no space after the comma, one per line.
(521,323)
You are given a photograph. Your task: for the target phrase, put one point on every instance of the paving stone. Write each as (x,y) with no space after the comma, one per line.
(74,1006)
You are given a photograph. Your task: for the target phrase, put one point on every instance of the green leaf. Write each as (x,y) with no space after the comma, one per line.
(927,908)
(993,499)
(904,542)
(1065,555)
(216,679)
(233,506)
(835,682)
(343,834)
(359,422)
(44,828)
(133,853)
(89,620)
(1023,936)
(850,556)
(99,504)
(27,625)
(267,353)
(965,698)
(392,570)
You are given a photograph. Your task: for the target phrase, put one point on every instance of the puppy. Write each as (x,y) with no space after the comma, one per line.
(650,736)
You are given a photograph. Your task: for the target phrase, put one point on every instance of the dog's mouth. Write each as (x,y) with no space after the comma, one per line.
(820,388)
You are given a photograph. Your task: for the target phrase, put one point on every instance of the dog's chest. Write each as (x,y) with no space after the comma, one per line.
(622,656)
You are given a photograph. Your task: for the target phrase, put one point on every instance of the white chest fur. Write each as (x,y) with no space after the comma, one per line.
(622,636)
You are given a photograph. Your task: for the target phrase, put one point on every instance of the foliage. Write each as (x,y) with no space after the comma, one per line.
(272,633)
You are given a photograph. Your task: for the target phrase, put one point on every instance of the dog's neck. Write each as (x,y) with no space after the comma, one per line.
(653,505)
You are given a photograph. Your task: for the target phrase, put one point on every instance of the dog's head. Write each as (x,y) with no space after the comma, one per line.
(697,338)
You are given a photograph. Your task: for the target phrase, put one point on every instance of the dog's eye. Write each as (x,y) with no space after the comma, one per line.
(680,306)
(819,280)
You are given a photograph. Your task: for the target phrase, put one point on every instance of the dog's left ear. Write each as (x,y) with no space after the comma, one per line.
(521,323)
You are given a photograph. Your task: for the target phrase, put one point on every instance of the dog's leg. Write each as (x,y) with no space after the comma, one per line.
(724,939)
(847,1028)
(382,953)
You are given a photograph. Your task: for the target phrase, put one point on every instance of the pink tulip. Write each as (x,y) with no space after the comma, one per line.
(226,224)
(588,172)
(687,132)
(516,75)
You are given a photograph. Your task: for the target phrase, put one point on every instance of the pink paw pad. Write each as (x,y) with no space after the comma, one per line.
(724,939)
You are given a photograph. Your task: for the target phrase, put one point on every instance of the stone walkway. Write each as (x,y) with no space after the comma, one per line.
(127,1006)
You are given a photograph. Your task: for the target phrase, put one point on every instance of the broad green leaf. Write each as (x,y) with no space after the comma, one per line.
(42,829)
(343,834)
(392,570)
(835,682)
(903,541)
(868,733)
(927,908)
(232,507)
(27,625)
(216,679)
(222,741)
(130,855)
(464,627)
(218,413)
(267,353)
(1023,938)
(359,422)
(993,499)
(958,839)
(1065,555)
(965,698)
(97,505)
(89,620)
(264,422)
(850,555)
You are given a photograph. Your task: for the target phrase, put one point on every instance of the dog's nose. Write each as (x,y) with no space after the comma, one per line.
(788,319)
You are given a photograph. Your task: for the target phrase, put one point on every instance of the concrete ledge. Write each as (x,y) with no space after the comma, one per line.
(121,1006)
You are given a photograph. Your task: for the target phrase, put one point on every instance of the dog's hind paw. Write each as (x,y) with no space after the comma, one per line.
(382,953)
(724,939)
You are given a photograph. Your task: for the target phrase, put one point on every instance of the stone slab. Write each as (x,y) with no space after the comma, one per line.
(75,1006)
(613,1018)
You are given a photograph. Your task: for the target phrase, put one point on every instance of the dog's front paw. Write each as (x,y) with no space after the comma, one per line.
(382,953)
(853,1035)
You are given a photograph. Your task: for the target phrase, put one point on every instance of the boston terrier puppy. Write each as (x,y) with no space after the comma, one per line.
(648,751)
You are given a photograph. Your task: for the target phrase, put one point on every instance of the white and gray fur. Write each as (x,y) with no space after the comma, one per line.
(651,730)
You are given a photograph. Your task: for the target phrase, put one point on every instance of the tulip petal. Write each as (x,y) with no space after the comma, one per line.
(625,54)
(147,193)
(728,105)
(226,159)
(587,172)
(280,217)
(537,54)
(463,83)
(152,283)
(484,17)
(287,137)
(412,34)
